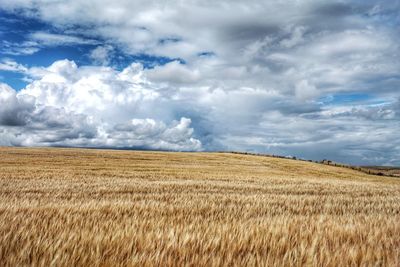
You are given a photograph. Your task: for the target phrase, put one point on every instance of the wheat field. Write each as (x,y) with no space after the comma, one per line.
(77,207)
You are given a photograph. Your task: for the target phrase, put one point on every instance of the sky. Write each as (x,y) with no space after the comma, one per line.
(306,78)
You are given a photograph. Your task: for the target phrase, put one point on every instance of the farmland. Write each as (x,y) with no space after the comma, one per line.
(79,207)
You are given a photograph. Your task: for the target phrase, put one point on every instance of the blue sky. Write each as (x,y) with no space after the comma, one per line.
(302,78)
(17,28)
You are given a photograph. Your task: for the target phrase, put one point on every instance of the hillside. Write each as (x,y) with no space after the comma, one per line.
(77,207)
(384,170)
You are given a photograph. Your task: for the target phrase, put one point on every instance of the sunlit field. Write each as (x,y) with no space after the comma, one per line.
(75,207)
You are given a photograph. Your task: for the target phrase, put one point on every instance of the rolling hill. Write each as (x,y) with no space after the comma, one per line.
(80,207)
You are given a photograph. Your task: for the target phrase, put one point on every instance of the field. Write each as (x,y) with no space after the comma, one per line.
(382,170)
(76,207)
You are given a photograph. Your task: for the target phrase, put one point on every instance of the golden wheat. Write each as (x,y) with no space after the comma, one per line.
(75,207)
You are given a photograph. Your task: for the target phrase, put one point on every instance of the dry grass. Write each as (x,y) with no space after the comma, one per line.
(71,207)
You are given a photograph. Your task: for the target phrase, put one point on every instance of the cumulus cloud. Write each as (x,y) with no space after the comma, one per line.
(251,75)
(156,135)
(14,111)
(89,107)
(174,72)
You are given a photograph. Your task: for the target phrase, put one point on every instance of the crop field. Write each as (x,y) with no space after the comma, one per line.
(77,207)
(382,170)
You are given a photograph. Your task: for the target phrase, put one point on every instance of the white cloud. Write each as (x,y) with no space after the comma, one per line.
(52,39)
(14,111)
(102,55)
(39,40)
(89,107)
(11,65)
(258,85)
(305,90)
(155,134)
(101,107)
(17,49)
(174,72)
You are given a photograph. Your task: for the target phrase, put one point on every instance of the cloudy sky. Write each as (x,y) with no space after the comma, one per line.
(307,78)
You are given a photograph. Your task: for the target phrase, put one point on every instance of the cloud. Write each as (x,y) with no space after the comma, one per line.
(14,111)
(155,134)
(174,72)
(11,65)
(101,55)
(52,39)
(250,75)
(305,91)
(38,40)
(17,49)
(89,107)
(98,106)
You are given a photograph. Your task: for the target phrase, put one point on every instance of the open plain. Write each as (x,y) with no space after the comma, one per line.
(79,207)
